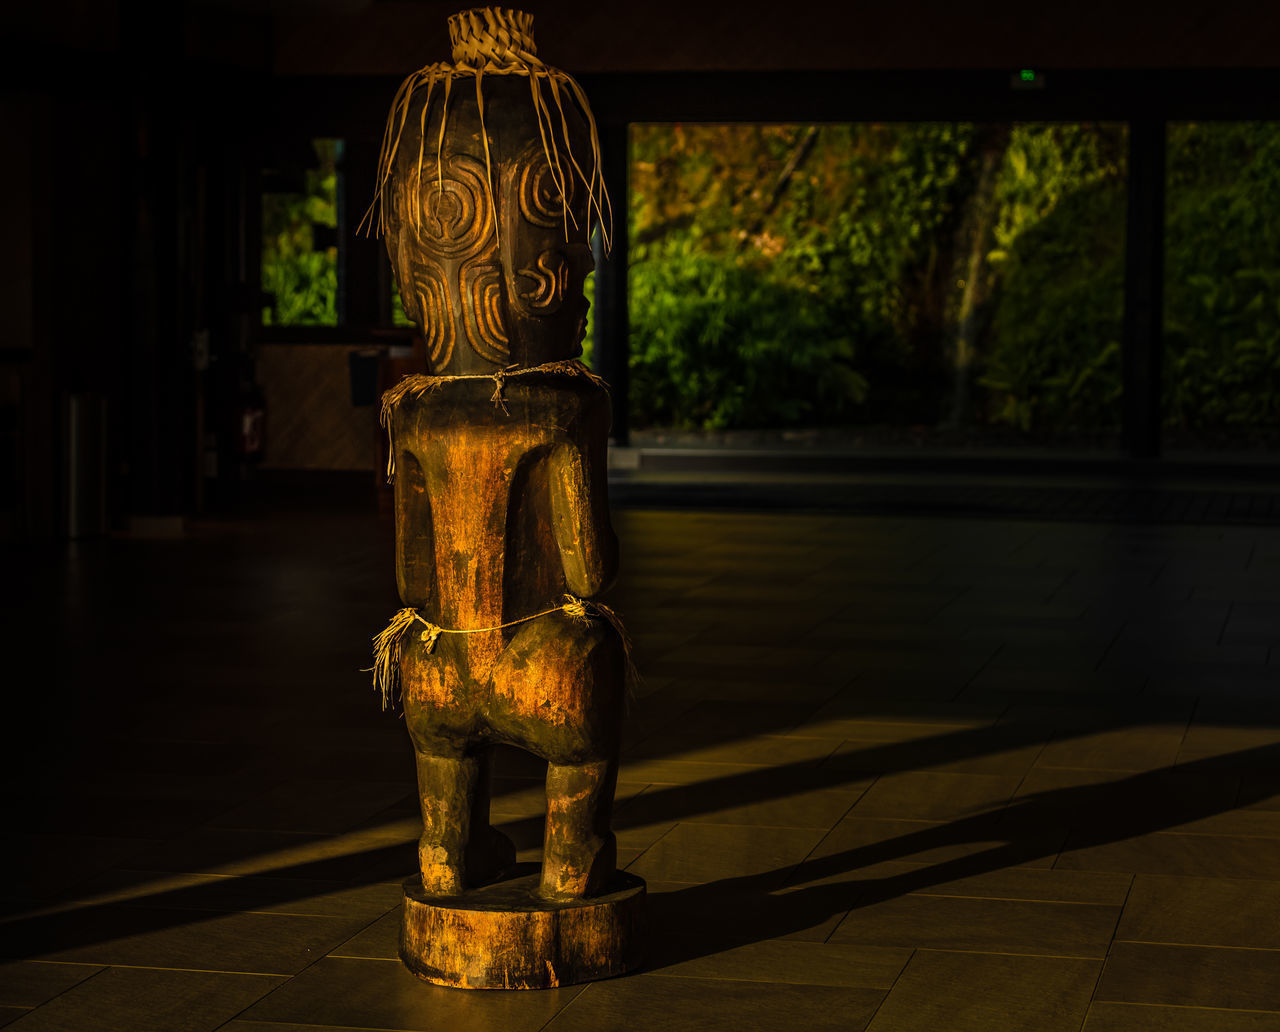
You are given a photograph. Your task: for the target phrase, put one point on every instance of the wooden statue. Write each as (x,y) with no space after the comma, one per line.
(488,188)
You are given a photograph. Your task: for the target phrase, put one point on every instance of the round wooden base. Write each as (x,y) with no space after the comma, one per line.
(506,936)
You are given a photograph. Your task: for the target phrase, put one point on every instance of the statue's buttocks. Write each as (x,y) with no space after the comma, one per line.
(501,512)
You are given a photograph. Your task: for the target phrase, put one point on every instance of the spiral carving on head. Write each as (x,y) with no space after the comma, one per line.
(550,278)
(438,327)
(483,319)
(456,219)
(487,42)
(542,200)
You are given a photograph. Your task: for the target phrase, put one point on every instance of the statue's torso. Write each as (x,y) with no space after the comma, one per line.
(479,540)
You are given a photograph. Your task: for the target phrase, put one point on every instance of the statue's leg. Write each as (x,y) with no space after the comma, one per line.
(440,711)
(446,791)
(489,852)
(579,852)
(557,690)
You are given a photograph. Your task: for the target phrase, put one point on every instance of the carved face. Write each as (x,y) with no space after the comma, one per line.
(492,289)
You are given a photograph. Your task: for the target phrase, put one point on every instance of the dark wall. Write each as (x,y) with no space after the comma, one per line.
(392,36)
(126,154)
(135,133)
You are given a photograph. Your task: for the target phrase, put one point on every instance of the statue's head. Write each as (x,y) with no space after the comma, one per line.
(487,200)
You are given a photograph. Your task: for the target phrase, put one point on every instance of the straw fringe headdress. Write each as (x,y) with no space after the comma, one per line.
(496,41)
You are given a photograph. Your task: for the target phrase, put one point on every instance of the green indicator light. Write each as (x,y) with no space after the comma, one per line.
(1027,75)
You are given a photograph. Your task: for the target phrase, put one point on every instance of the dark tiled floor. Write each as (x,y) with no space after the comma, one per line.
(891,774)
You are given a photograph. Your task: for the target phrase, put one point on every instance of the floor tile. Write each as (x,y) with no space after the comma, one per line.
(42,866)
(109,811)
(683,772)
(790,961)
(1191,976)
(1080,654)
(832,677)
(1250,821)
(712,721)
(1260,791)
(1155,713)
(317,806)
(30,983)
(382,994)
(827,724)
(199,940)
(1124,749)
(1122,1017)
(993,750)
(704,852)
(148,1000)
(651,1002)
(1023,883)
(975,992)
(379,941)
(745,690)
(1207,856)
(854,713)
(984,925)
(240,1025)
(227,892)
(927,795)
(954,661)
(1203,912)
(760,750)
(1001,682)
(1091,798)
(229,851)
(795,799)
(692,919)
(857,842)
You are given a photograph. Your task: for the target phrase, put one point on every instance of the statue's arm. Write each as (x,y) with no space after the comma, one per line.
(415,546)
(580,515)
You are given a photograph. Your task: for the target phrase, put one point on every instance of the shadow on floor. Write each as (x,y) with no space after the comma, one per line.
(731,912)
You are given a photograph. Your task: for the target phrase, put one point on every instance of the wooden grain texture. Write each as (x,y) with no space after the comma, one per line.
(506,936)
(502,513)
(489,259)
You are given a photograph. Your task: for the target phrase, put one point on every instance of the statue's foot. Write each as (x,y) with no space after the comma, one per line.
(579,853)
(578,870)
(488,854)
(441,873)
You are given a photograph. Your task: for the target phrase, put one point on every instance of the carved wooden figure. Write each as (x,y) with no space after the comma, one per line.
(488,187)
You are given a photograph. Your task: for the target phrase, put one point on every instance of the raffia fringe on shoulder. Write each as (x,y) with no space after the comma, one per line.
(387,643)
(419,385)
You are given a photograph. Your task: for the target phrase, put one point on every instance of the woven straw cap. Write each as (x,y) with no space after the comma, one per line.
(492,35)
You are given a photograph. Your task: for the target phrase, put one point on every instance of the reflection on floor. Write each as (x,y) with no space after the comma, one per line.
(893,774)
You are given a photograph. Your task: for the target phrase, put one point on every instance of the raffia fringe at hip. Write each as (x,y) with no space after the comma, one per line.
(419,385)
(387,643)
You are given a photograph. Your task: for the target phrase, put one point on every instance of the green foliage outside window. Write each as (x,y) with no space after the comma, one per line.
(1051,358)
(851,274)
(764,299)
(1222,277)
(840,293)
(301,279)
(840,286)
(398,318)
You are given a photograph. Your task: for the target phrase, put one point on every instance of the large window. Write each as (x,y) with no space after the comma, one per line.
(943,280)
(928,282)
(300,238)
(1222,285)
